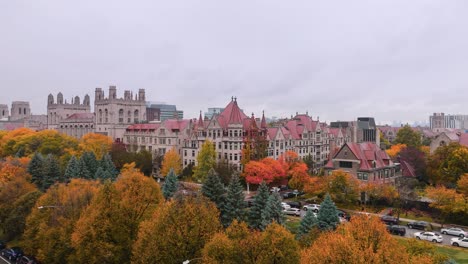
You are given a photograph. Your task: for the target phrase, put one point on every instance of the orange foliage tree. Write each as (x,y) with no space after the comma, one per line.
(363,240)
(171,161)
(267,170)
(96,143)
(395,150)
(446,200)
(342,187)
(299,177)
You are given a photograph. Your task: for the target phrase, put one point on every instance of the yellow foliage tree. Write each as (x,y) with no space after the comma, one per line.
(50,225)
(177,231)
(342,186)
(96,143)
(446,200)
(171,161)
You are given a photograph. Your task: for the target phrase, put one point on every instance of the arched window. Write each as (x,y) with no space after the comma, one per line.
(106,114)
(19,112)
(129,117)
(24,110)
(100,115)
(121,115)
(135,116)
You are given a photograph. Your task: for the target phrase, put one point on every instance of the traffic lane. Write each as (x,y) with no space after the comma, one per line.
(446,238)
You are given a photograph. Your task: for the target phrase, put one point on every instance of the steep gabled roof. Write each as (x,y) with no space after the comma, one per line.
(231,114)
(370,155)
(150,126)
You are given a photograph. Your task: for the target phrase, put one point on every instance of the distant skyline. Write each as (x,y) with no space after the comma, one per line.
(390,59)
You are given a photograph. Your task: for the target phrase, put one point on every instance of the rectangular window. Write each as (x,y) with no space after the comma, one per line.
(365,176)
(185,153)
(359,176)
(346,164)
(230,156)
(235,156)
(193,153)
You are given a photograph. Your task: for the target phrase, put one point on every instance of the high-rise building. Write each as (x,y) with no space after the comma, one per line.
(438,122)
(212,111)
(165,111)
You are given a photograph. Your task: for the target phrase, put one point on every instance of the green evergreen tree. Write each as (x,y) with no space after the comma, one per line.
(72,169)
(327,216)
(90,161)
(102,175)
(259,205)
(36,168)
(273,211)
(83,172)
(234,203)
(108,165)
(52,174)
(213,189)
(170,185)
(307,223)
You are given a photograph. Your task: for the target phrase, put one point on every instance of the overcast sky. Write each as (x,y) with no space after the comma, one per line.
(394,60)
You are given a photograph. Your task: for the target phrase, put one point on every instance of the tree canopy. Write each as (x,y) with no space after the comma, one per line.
(206,160)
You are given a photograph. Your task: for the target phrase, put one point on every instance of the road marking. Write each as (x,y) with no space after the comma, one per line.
(5,260)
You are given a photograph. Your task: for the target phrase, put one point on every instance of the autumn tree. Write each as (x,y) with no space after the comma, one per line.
(213,189)
(363,240)
(206,160)
(240,245)
(417,159)
(447,164)
(406,135)
(171,161)
(97,143)
(106,231)
(224,169)
(234,203)
(178,231)
(15,220)
(170,185)
(394,150)
(259,206)
(342,187)
(327,216)
(266,170)
(49,227)
(299,177)
(447,201)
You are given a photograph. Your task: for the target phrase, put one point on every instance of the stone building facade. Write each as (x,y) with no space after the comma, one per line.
(77,125)
(113,115)
(20,110)
(58,111)
(4,113)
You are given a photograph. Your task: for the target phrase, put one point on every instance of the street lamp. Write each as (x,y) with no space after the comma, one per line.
(189,260)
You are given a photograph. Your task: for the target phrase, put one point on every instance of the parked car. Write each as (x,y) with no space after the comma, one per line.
(390,220)
(429,236)
(298,193)
(274,189)
(285,205)
(459,242)
(284,188)
(2,245)
(418,225)
(13,253)
(287,195)
(313,207)
(295,204)
(27,260)
(292,211)
(454,231)
(397,230)
(343,214)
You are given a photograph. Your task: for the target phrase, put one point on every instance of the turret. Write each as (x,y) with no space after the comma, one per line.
(50,99)
(86,100)
(141,95)
(77,100)
(98,94)
(112,92)
(59,98)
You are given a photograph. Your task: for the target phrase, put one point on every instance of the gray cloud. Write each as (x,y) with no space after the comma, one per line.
(394,60)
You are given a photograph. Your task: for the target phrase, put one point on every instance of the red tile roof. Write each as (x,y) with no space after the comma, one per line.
(464,139)
(176,124)
(367,153)
(263,123)
(231,115)
(150,126)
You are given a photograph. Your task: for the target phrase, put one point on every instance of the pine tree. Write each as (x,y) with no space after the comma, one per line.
(72,169)
(327,216)
(213,189)
(90,161)
(307,223)
(234,203)
(52,174)
(36,169)
(170,185)
(273,211)
(102,175)
(259,205)
(108,165)
(83,172)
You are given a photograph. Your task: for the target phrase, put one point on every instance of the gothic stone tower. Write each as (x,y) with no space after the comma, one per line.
(114,115)
(61,110)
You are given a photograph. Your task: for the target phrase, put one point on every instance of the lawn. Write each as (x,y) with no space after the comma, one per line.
(412,215)
(458,254)
(292,223)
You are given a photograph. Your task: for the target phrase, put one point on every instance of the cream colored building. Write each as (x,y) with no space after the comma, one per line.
(113,115)
(58,111)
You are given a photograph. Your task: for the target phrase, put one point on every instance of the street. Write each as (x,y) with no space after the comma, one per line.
(3,260)
(446,241)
